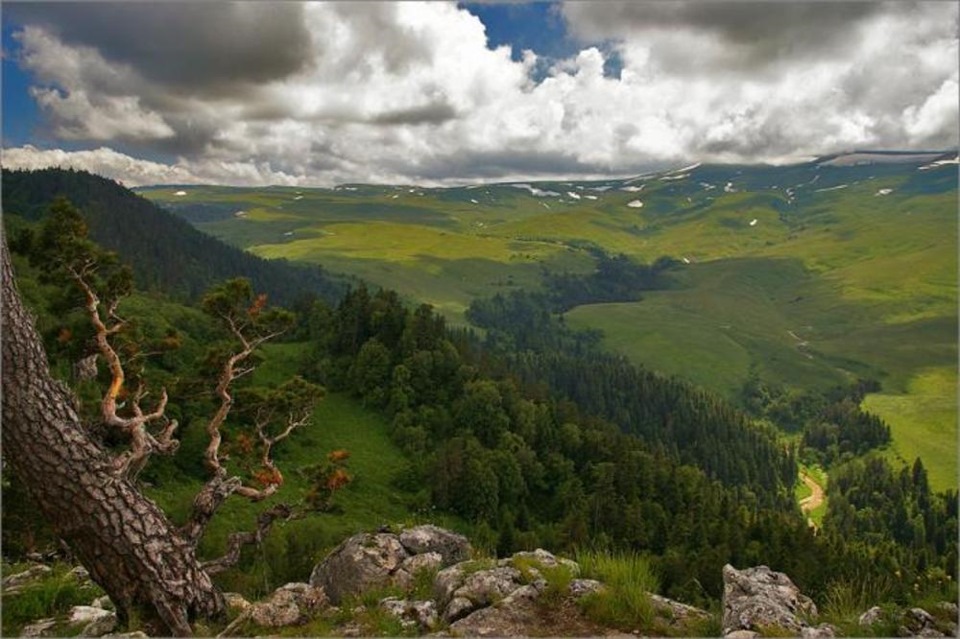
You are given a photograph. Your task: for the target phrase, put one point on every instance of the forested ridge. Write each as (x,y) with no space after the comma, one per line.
(167,254)
(534,437)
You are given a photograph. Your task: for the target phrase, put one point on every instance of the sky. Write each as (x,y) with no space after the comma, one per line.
(437,93)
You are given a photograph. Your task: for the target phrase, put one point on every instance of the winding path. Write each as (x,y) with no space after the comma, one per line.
(815,498)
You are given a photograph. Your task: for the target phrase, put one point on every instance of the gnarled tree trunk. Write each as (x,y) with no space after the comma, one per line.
(126,542)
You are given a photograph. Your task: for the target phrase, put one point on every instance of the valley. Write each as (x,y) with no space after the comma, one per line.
(807,275)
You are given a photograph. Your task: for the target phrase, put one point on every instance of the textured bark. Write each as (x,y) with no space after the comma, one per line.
(124,540)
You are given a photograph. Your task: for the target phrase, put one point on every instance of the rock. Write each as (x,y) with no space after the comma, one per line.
(514,616)
(541,557)
(405,576)
(452,547)
(33,573)
(288,605)
(583,587)
(675,610)
(459,592)
(361,562)
(95,621)
(424,562)
(948,609)
(80,573)
(420,614)
(759,599)
(486,586)
(136,634)
(38,628)
(236,601)
(823,631)
(458,608)
(871,617)
(741,634)
(103,602)
(917,622)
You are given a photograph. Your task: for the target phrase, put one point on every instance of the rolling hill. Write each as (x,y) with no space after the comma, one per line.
(810,274)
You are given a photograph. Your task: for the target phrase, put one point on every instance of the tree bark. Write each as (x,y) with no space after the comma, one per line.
(123,539)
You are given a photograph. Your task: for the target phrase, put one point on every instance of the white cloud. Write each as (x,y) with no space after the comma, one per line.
(410,92)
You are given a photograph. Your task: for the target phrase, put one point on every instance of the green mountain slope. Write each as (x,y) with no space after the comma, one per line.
(810,274)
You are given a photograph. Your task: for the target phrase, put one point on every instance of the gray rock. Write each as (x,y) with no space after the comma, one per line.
(405,575)
(675,610)
(515,616)
(38,628)
(236,601)
(103,602)
(871,617)
(95,621)
(424,562)
(288,605)
(361,562)
(452,547)
(823,631)
(458,608)
(741,634)
(917,622)
(487,586)
(948,609)
(583,587)
(136,634)
(13,582)
(419,614)
(759,598)
(543,558)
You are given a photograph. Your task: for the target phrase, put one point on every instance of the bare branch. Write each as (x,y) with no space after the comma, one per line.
(205,504)
(142,444)
(237,541)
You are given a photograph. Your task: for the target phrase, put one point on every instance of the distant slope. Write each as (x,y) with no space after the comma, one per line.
(166,253)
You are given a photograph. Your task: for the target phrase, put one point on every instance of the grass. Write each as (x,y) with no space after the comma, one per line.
(923,422)
(629,579)
(825,287)
(52,596)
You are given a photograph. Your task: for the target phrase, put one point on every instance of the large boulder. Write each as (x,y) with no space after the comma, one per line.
(360,563)
(761,599)
(368,561)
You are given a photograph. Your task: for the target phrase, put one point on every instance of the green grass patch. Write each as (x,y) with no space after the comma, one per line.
(52,596)
(923,423)
(629,579)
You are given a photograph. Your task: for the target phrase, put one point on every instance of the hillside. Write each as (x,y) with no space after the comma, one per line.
(808,275)
(166,253)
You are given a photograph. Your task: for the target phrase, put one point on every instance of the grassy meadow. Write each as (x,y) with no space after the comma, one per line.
(812,275)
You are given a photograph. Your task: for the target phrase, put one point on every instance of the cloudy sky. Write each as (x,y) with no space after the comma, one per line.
(441,93)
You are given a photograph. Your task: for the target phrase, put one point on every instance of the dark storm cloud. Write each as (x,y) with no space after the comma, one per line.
(433,113)
(196,45)
(754,33)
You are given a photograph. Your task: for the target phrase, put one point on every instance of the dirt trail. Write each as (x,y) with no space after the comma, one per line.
(815,498)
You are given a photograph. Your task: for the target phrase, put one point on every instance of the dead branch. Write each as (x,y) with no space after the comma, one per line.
(237,541)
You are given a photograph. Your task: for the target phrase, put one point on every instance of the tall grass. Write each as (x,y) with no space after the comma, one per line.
(629,579)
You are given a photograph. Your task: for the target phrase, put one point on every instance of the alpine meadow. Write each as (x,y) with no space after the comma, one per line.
(480,319)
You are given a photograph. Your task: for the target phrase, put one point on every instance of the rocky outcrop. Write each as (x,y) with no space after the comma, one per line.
(759,599)
(368,560)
